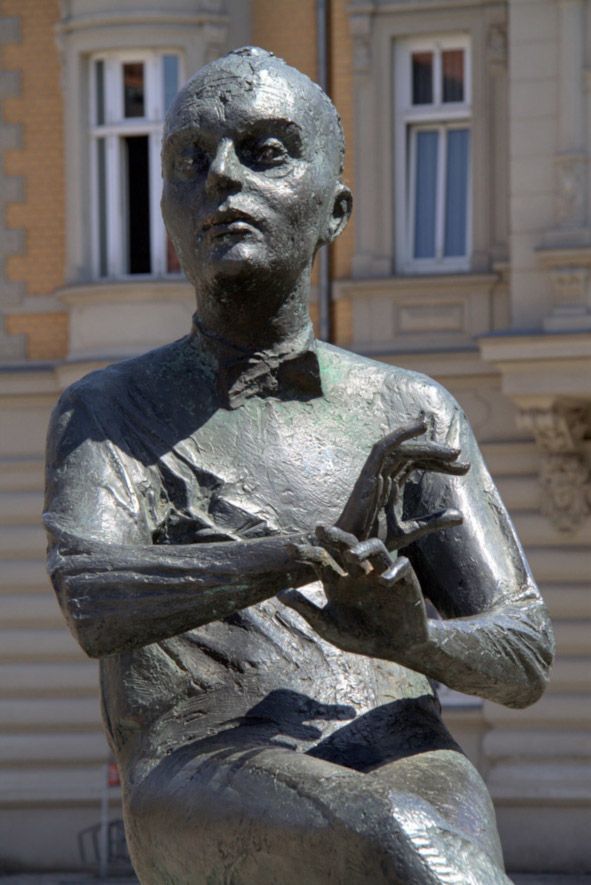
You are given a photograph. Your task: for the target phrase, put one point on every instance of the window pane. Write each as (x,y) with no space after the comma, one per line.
(170,76)
(422,78)
(138,204)
(102,205)
(427,143)
(452,64)
(133,90)
(99,93)
(456,191)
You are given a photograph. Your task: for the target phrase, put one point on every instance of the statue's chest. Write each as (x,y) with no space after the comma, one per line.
(289,466)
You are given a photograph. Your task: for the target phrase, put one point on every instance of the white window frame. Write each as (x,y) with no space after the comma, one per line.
(114,128)
(410,119)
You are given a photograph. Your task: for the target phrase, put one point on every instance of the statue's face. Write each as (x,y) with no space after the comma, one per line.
(249,178)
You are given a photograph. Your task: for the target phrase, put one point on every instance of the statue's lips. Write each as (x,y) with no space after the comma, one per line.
(231,221)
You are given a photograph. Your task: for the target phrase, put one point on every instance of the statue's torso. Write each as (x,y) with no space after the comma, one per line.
(269,466)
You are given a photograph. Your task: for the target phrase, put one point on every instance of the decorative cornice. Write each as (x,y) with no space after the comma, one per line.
(144,17)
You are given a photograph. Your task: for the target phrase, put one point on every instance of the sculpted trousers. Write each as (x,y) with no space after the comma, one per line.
(245,811)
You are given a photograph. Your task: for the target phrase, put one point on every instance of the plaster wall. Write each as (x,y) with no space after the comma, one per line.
(533,128)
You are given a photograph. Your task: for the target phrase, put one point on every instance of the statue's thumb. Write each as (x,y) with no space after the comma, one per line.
(295,600)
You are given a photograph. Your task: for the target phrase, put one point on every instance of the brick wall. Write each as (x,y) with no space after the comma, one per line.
(38,160)
(38,108)
(288,29)
(46,334)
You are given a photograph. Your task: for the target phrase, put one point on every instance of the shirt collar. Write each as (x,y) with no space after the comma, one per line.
(289,370)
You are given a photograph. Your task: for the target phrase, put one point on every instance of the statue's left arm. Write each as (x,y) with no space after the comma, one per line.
(494,638)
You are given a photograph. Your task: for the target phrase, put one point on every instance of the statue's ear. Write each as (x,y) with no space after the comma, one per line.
(341,212)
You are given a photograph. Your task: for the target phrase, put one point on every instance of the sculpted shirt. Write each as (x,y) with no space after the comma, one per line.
(158,462)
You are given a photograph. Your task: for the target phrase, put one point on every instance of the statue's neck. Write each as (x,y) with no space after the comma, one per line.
(255,319)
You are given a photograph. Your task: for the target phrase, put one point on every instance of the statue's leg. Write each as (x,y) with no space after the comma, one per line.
(447,812)
(256,814)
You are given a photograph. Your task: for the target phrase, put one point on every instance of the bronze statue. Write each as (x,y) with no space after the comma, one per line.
(265,733)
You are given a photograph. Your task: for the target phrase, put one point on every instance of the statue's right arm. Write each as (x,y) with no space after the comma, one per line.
(119,590)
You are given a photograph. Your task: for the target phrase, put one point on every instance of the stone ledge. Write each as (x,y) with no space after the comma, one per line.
(124,291)
(538,368)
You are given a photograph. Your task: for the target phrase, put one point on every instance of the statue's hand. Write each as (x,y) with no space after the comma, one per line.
(380,485)
(374,602)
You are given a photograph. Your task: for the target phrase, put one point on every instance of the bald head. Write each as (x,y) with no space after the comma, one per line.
(254,70)
(252,157)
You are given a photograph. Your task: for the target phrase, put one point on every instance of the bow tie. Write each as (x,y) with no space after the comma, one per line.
(289,371)
(294,376)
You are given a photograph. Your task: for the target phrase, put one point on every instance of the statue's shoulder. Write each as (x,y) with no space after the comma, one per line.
(145,374)
(396,386)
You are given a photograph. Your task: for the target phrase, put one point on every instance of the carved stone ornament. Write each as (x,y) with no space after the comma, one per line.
(571,175)
(566,490)
(564,473)
(497,45)
(557,429)
(570,286)
(360,28)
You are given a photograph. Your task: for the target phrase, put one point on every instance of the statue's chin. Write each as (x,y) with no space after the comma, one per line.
(231,258)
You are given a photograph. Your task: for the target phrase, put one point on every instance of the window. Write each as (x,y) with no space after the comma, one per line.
(129,97)
(432,138)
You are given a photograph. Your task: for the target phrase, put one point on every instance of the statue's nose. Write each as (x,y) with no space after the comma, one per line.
(225,169)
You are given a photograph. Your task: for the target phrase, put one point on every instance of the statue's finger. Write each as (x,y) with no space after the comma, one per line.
(414,529)
(315,615)
(389,443)
(373,551)
(455,468)
(397,570)
(332,534)
(412,451)
(336,541)
(320,559)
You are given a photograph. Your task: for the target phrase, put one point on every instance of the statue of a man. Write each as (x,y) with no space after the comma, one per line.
(267,733)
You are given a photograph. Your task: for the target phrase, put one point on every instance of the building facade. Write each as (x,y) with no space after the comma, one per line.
(468,125)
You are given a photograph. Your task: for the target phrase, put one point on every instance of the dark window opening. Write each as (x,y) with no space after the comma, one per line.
(138,204)
(422,78)
(453,75)
(133,90)
(99,67)
(102,205)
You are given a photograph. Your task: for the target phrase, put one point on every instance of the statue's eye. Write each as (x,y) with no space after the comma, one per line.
(270,152)
(191,161)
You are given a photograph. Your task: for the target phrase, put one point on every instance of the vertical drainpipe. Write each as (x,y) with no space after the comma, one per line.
(324,284)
